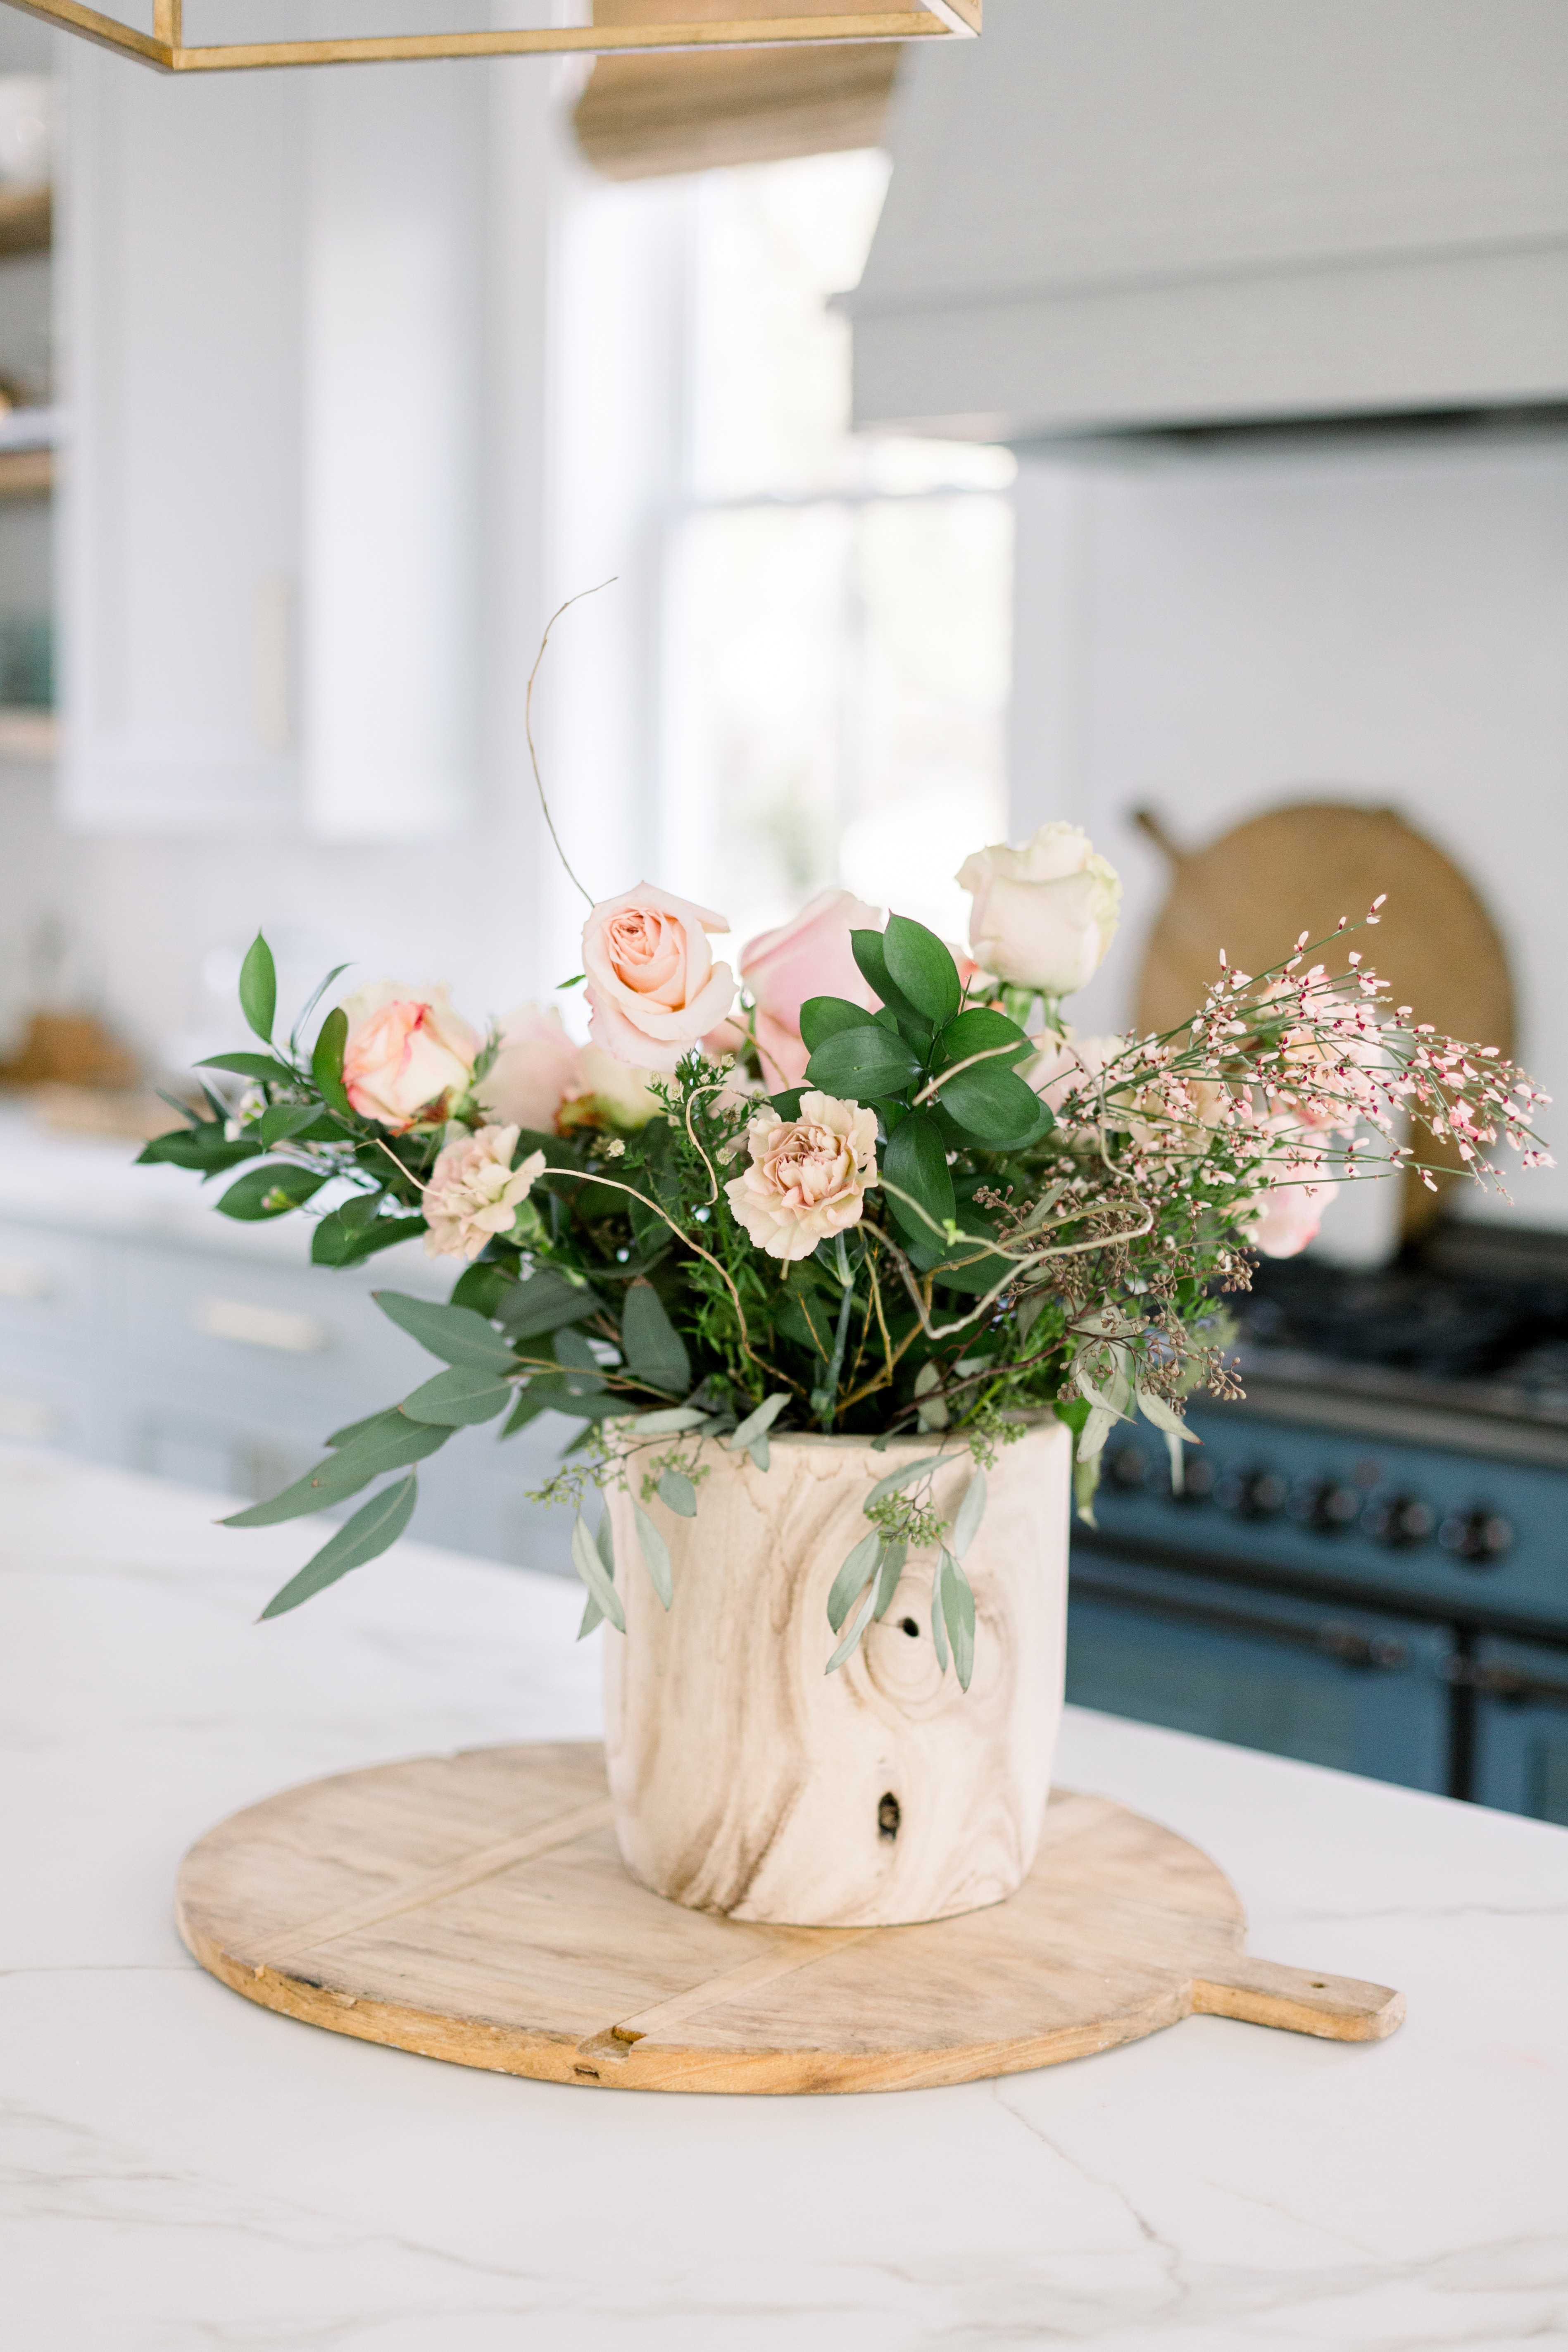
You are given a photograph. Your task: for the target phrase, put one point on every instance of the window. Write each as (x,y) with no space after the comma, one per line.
(837,607)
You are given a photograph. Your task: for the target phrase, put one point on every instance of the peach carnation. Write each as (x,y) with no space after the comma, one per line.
(475,1192)
(808,1176)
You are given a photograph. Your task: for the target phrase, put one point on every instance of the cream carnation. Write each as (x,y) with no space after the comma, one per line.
(653,986)
(406,1049)
(1044,915)
(808,1175)
(475,1192)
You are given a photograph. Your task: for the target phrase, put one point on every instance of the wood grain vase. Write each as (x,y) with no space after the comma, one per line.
(749,1782)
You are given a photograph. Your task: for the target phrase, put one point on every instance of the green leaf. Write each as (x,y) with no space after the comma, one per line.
(373,1530)
(958,1615)
(368,1456)
(310,1003)
(284,1121)
(336,1242)
(351,1429)
(525,1410)
(857,1625)
(571,1395)
(665,1419)
(752,1433)
(652,1346)
(981,1031)
(871,958)
(459,1399)
(578,1363)
(996,1108)
(327,1062)
(482,1287)
(858,1566)
(269,1192)
(787,1102)
(938,1622)
(822,1017)
(967,1518)
(258,989)
(589,1566)
(545,1302)
(858,1065)
(923,969)
(264,1067)
(203,1148)
(898,1479)
(677,1494)
(889,1570)
(656,1555)
(455,1333)
(915,1161)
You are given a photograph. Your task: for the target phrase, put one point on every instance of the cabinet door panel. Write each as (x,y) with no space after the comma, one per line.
(1522,1728)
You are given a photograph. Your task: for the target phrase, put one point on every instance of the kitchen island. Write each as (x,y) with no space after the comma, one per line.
(184,2169)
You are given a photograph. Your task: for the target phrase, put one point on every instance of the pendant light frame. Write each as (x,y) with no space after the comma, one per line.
(166,52)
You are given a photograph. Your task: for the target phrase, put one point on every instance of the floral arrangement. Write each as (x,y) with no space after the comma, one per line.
(878,1187)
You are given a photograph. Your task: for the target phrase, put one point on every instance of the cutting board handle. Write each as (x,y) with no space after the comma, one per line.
(1300,2000)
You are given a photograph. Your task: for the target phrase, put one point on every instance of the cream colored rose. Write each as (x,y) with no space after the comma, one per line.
(808,1175)
(538,1069)
(475,1192)
(653,986)
(1044,915)
(406,1049)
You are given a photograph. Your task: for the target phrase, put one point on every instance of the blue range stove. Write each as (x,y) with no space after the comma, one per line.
(1369,1565)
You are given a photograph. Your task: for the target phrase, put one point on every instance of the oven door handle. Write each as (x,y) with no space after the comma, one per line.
(1504,1683)
(1330,1637)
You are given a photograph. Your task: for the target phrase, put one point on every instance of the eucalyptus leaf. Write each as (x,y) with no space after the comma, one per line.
(460,1398)
(373,1529)
(585,1559)
(862,1619)
(455,1333)
(605,1537)
(545,1302)
(889,1569)
(958,1615)
(677,1494)
(858,1566)
(938,1621)
(650,1343)
(578,1363)
(967,1518)
(390,1441)
(665,1420)
(757,1423)
(656,1555)
(903,1476)
(258,989)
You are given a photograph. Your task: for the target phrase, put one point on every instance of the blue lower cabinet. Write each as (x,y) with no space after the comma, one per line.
(1522,1726)
(1352,1688)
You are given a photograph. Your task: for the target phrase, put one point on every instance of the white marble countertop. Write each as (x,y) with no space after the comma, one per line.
(183,2171)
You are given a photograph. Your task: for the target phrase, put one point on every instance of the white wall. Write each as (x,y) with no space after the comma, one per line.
(1211,633)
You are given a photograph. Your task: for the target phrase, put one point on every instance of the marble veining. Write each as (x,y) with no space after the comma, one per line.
(182,2172)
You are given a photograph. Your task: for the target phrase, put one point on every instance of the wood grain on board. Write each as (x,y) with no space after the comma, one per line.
(473,1907)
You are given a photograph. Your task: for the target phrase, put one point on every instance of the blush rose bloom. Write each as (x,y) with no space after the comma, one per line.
(406,1049)
(538,1069)
(475,1192)
(811,956)
(808,1176)
(653,986)
(1044,915)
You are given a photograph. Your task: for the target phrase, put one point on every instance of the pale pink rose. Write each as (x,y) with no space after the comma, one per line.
(406,1049)
(808,1175)
(537,1068)
(1044,915)
(1290,1211)
(811,956)
(653,986)
(475,1192)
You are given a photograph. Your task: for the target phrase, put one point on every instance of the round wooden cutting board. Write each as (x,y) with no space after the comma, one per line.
(1301,869)
(474,1908)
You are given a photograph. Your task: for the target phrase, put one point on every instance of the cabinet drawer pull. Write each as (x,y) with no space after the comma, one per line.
(24,1278)
(28,1422)
(279,1327)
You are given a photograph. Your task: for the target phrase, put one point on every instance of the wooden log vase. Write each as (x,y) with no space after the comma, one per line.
(748,1781)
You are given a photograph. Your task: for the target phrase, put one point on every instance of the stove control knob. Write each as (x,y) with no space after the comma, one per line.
(1252,1494)
(1400,1521)
(1125,1467)
(1199,1481)
(1327,1505)
(1478,1537)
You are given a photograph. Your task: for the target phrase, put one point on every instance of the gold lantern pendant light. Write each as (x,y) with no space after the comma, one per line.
(623,28)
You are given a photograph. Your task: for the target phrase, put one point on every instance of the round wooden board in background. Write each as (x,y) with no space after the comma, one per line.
(1301,869)
(474,1908)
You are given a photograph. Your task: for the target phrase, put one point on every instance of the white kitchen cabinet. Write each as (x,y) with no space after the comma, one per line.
(272,306)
